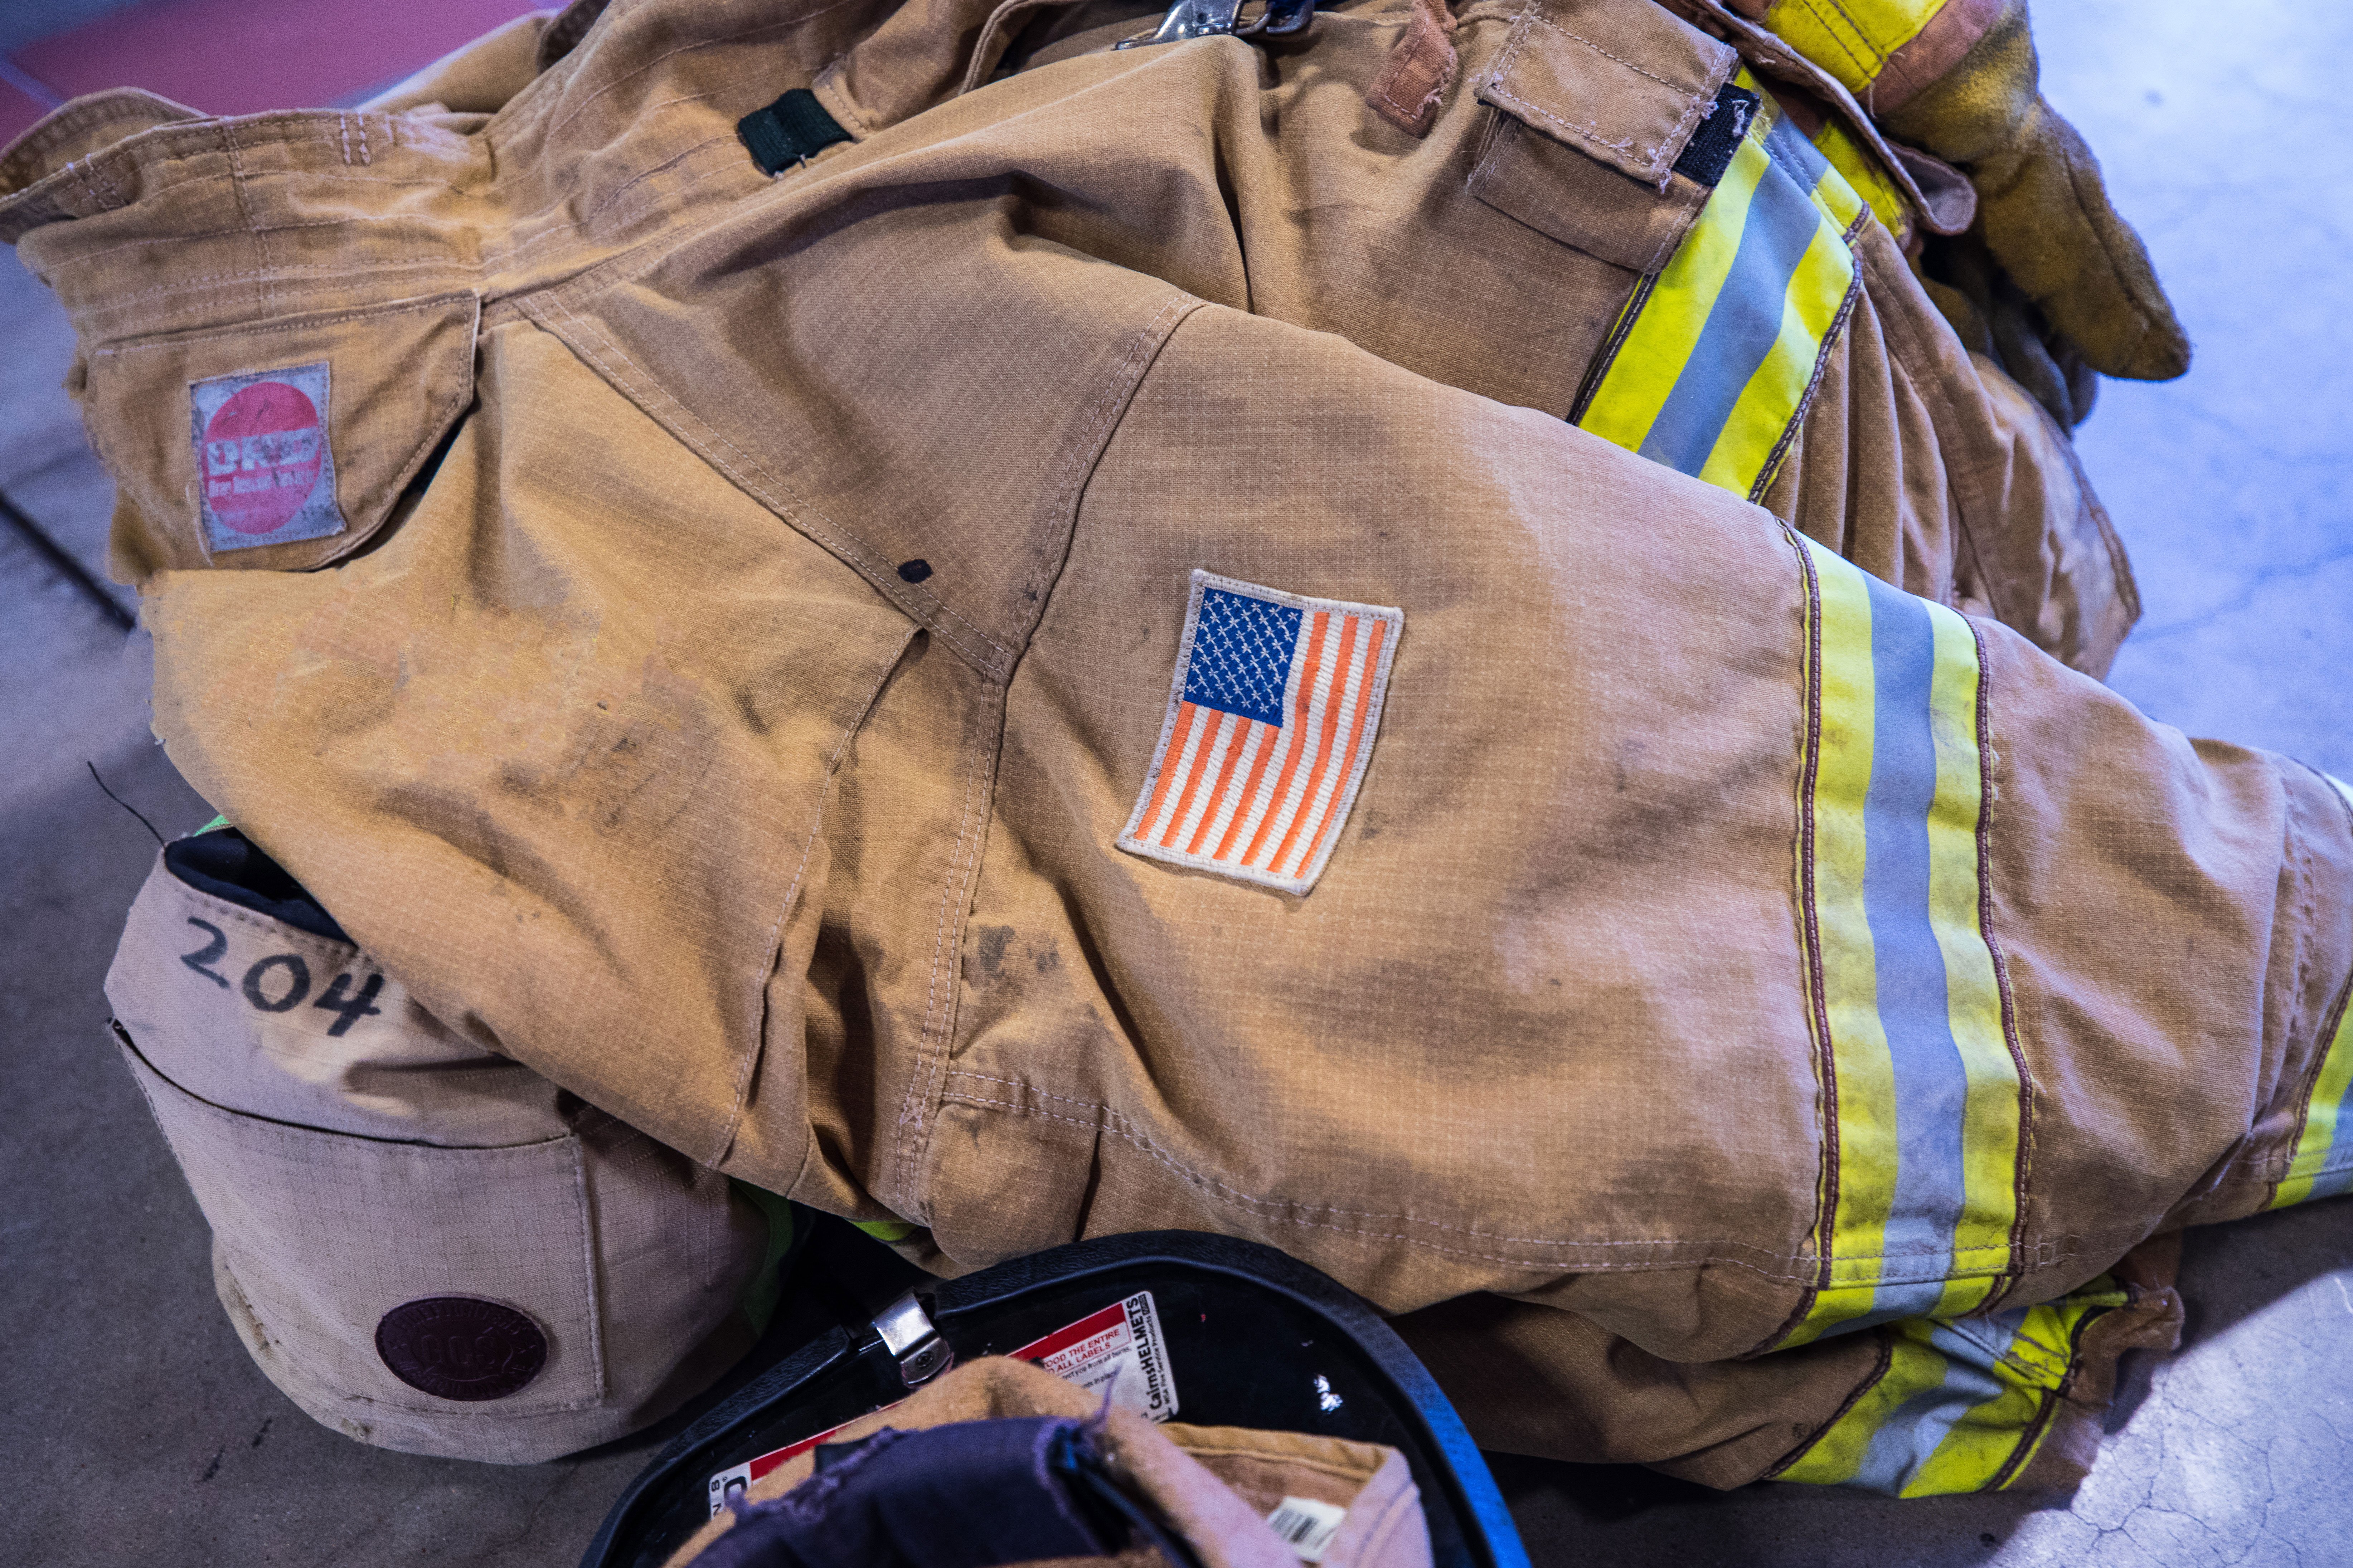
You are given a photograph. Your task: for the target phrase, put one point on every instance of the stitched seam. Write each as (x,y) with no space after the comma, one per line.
(1651,156)
(2075,1247)
(454,263)
(989,30)
(300,325)
(342,134)
(245,209)
(337,268)
(802,504)
(588,1268)
(1097,1125)
(81,182)
(486,263)
(786,23)
(2293,847)
(1389,79)
(434,427)
(579,229)
(1130,1131)
(1844,47)
(1871,41)
(2026,1442)
(840,537)
(1977,515)
(1498,90)
(184,240)
(276,930)
(931,1061)
(1087,449)
(1826,1059)
(1403,1512)
(1541,20)
(1627,315)
(1772,467)
(1988,794)
(1879,1369)
(785,909)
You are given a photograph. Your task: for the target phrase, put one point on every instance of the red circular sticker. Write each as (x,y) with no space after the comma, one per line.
(262,453)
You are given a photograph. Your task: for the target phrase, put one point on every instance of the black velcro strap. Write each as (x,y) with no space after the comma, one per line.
(793,128)
(1709,151)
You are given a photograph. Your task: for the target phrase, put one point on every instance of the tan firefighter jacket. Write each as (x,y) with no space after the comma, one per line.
(1133,644)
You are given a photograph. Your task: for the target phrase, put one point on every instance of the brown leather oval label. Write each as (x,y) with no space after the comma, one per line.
(457,1347)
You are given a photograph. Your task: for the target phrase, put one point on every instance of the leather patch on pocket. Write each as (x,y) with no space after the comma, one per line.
(460,1347)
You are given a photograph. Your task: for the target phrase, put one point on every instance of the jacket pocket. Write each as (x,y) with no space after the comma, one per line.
(422,1244)
(1596,102)
(278,446)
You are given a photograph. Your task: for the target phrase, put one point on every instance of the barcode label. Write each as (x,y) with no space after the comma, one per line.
(1306,1526)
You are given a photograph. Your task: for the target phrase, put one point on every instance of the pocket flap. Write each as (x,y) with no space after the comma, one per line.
(278,446)
(1625,85)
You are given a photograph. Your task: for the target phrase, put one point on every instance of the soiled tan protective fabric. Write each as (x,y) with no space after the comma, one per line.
(351,1155)
(1214,1485)
(729,712)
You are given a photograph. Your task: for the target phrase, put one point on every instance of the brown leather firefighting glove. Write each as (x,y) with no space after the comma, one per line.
(2055,243)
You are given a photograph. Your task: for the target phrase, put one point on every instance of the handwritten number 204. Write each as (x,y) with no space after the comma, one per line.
(279,982)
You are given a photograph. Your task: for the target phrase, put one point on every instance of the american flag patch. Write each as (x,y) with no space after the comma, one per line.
(1270,723)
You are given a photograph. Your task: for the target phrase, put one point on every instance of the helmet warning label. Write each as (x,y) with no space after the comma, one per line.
(1120,1348)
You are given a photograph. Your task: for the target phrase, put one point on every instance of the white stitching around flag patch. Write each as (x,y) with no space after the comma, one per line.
(1271,724)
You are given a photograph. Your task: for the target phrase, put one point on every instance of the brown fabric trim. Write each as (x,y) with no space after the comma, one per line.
(2029,1441)
(1879,1369)
(1617,339)
(1819,1005)
(2065,1443)
(1987,796)
(1932,51)
(1822,363)
(984,747)
(1407,87)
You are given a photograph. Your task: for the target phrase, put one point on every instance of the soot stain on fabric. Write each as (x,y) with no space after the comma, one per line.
(990,943)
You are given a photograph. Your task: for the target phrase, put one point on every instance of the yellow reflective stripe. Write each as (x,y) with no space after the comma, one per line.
(1851,39)
(1863,176)
(1838,1453)
(1712,364)
(1960,1406)
(1921,1183)
(2322,1166)
(1655,349)
(1994,1110)
(2308,1175)
(887,1229)
(1866,1083)
(1770,399)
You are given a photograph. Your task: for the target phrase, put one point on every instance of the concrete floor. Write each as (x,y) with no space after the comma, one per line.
(133,1427)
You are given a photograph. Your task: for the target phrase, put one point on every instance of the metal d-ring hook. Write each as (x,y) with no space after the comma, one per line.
(1208,18)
